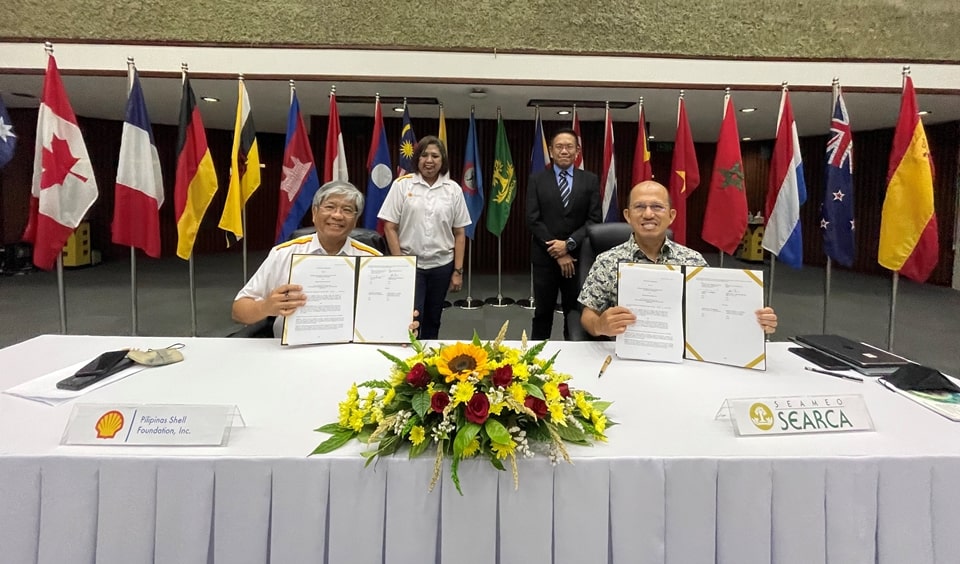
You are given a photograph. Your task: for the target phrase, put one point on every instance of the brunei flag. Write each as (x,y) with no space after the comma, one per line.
(244,169)
(196,181)
(908,224)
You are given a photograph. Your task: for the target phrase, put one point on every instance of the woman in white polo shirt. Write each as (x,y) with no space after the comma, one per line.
(425,214)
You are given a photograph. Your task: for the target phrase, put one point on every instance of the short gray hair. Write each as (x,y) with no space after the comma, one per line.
(340,188)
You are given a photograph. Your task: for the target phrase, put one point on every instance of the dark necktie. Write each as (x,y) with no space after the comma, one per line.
(564,188)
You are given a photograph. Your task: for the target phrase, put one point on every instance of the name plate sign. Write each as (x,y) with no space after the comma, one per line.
(789,415)
(150,424)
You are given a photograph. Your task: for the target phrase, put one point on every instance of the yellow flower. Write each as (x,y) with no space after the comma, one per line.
(471,449)
(551,391)
(496,408)
(388,397)
(458,361)
(503,450)
(556,413)
(356,420)
(368,401)
(517,392)
(582,404)
(376,414)
(464,393)
(520,371)
(353,394)
(417,435)
(599,422)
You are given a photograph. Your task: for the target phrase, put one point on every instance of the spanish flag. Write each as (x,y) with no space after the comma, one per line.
(244,169)
(908,224)
(196,181)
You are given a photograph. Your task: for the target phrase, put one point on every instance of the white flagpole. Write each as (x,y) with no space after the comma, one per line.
(61,290)
(193,284)
(828,272)
(896,274)
(133,250)
(243,210)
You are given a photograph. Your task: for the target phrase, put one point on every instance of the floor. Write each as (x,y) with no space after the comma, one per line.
(98,302)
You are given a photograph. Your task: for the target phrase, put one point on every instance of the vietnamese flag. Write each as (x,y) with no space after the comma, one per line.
(908,224)
(684,173)
(725,220)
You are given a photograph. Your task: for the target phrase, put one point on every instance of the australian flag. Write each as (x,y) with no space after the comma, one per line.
(8,141)
(408,142)
(837,211)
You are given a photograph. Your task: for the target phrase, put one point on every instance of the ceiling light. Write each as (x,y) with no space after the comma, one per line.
(398,109)
(747,110)
(598,104)
(649,137)
(477,92)
(746,138)
(563,112)
(209,99)
(924,113)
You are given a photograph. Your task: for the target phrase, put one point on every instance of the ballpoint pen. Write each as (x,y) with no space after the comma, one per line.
(606,363)
(834,374)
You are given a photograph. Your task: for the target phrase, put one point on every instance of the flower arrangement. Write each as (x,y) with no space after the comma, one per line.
(469,400)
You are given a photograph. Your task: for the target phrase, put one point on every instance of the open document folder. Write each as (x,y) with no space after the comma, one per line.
(721,319)
(654,294)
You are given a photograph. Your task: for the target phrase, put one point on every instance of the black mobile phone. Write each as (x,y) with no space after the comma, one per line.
(821,359)
(107,364)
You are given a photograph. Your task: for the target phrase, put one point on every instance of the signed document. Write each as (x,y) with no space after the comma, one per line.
(385,291)
(327,317)
(654,293)
(721,317)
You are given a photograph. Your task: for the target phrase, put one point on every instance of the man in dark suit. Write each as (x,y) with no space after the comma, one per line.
(561,202)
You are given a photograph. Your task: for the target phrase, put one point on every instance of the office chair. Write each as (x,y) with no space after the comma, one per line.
(264,327)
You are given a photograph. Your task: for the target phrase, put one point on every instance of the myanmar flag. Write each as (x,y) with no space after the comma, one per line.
(196,181)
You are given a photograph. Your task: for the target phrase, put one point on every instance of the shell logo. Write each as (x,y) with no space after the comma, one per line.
(109,424)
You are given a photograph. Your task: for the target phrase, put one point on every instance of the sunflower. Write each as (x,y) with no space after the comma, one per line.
(459,361)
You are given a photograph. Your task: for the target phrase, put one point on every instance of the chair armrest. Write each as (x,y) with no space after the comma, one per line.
(575,331)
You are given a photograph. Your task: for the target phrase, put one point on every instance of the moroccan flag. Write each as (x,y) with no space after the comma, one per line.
(196,181)
(837,220)
(908,223)
(641,155)
(472,184)
(408,142)
(334,158)
(610,203)
(684,173)
(381,172)
(504,186)
(8,141)
(299,180)
(442,134)
(63,184)
(578,162)
(540,155)
(725,220)
(244,169)
(786,191)
(138,194)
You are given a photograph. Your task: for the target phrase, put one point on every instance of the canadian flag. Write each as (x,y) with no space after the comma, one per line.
(63,184)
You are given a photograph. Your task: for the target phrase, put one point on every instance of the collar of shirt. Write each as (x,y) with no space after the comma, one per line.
(556,174)
(321,251)
(666,252)
(441,180)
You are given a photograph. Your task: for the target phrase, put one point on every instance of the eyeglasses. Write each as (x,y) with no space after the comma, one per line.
(567,148)
(330,209)
(655,208)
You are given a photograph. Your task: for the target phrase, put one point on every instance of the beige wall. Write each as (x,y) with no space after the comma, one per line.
(894,29)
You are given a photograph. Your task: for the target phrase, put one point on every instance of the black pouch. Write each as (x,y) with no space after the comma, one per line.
(105,365)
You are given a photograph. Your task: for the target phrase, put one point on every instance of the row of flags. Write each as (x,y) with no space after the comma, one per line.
(64,186)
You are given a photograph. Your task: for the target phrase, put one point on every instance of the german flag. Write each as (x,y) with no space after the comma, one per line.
(908,225)
(244,169)
(196,181)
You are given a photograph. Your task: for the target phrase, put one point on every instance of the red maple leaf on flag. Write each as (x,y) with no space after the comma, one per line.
(58,162)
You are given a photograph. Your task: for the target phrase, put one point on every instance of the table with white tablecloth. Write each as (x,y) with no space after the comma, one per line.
(672,485)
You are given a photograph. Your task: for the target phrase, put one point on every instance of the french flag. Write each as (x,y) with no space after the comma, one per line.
(139,190)
(608,186)
(381,172)
(786,191)
(298,180)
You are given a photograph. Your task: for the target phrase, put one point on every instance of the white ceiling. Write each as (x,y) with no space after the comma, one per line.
(98,90)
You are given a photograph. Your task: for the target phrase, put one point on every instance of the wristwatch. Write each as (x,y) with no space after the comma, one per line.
(458,271)
(571,244)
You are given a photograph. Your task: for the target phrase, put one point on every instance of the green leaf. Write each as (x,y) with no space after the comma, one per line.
(496,431)
(476,338)
(496,462)
(415,343)
(601,406)
(550,362)
(453,473)
(466,434)
(533,352)
(336,441)
(421,403)
(538,432)
(329,428)
(533,390)
(414,420)
(588,427)
(417,450)
(536,381)
(571,434)
(400,364)
(382,384)
(364,435)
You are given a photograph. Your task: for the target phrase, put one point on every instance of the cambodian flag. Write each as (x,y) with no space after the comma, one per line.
(381,171)
(299,180)
(472,183)
(786,191)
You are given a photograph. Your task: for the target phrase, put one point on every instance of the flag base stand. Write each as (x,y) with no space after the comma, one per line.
(526,303)
(558,308)
(499,301)
(446,304)
(469,303)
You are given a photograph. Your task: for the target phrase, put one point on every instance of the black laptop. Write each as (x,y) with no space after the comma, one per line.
(860,356)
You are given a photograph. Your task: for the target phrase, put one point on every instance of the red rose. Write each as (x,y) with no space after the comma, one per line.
(564,389)
(537,405)
(478,408)
(503,376)
(439,401)
(418,377)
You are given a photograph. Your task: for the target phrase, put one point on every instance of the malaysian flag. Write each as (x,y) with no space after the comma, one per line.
(837,210)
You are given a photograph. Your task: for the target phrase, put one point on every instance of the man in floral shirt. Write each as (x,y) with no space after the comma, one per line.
(650,215)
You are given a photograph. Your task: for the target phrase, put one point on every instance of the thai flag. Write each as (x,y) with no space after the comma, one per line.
(472,183)
(608,185)
(837,219)
(381,172)
(139,190)
(786,191)
(298,180)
